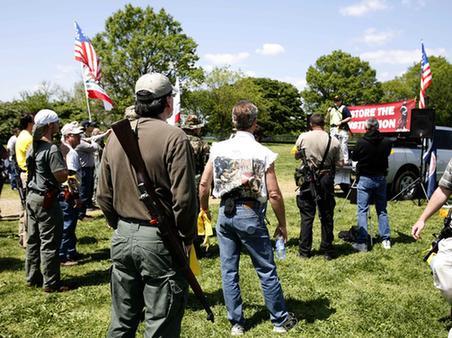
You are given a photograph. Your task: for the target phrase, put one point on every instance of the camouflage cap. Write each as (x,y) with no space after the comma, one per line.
(192,122)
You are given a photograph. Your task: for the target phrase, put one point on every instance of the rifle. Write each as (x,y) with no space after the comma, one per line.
(307,174)
(446,232)
(18,181)
(166,223)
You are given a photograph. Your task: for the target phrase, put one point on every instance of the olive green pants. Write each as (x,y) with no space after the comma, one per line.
(44,236)
(143,277)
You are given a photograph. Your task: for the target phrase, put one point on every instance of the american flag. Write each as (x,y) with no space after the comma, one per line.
(94,90)
(430,160)
(85,53)
(174,120)
(426,77)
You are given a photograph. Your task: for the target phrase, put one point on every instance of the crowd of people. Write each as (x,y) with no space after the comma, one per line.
(65,181)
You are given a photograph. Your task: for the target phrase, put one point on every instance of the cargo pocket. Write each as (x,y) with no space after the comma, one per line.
(177,300)
(118,250)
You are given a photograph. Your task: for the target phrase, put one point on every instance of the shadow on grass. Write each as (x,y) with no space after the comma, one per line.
(214,298)
(87,240)
(342,249)
(309,311)
(89,279)
(10,263)
(6,234)
(403,238)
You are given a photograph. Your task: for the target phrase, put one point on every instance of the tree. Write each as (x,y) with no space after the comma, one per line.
(439,93)
(342,74)
(137,41)
(214,103)
(284,106)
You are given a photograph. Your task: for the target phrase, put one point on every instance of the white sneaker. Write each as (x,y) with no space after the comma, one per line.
(237,330)
(386,244)
(288,324)
(361,247)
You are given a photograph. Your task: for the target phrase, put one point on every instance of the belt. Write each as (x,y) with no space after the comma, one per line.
(149,223)
(334,125)
(250,203)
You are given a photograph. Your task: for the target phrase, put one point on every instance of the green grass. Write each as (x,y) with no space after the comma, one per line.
(376,294)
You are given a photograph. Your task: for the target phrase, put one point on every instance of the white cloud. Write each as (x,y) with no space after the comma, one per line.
(373,37)
(299,82)
(270,49)
(364,7)
(400,56)
(226,58)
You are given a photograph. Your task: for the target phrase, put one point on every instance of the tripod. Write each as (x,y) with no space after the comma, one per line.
(417,184)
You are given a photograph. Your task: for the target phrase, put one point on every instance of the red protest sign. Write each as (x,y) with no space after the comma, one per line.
(393,116)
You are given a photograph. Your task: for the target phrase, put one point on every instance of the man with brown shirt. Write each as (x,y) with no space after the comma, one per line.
(143,273)
(318,144)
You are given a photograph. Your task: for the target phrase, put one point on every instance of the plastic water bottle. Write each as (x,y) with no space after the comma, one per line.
(280,249)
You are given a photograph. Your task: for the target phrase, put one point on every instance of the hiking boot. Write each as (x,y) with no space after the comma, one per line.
(288,324)
(237,330)
(57,288)
(386,244)
(361,247)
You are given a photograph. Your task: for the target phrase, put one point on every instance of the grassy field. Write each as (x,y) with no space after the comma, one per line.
(375,294)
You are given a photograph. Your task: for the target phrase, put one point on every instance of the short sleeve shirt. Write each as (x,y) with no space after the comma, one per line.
(315,142)
(48,160)
(23,143)
(241,163)
(446,180)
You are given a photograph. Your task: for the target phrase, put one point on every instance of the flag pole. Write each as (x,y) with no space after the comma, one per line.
(86,93)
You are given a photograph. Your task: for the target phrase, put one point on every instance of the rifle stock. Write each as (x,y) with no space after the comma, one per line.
(446,232)
(166,223)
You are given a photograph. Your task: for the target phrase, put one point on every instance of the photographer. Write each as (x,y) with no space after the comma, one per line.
(324,153)
(441,264)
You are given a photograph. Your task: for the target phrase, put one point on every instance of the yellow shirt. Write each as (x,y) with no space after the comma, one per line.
(23,143)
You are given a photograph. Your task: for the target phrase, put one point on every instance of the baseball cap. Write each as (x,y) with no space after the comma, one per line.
(72,128)
(192,122)
(337,98)
(155,83)
(45,116)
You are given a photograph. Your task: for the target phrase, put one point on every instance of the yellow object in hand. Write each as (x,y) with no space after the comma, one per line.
(194,263)
(293,150)
(204,228)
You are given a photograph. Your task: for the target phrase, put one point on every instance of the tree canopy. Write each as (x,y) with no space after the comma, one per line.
(439,94)
(137,41)
(342,74)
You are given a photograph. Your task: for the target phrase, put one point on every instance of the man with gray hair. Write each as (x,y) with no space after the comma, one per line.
(371,153)
(243,173)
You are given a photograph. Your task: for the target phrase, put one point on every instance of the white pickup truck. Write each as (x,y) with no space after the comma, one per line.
(405,161)
(405,158)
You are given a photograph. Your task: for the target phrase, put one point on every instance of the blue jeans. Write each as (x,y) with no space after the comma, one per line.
(247,229)
(68,240)
(86,189)
(372,188)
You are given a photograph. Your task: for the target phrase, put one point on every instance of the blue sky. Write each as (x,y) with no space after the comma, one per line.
(276,39)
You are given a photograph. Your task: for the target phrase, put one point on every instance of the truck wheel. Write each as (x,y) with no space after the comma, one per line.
(404,179)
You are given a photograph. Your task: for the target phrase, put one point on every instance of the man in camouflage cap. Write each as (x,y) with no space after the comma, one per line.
(192,127)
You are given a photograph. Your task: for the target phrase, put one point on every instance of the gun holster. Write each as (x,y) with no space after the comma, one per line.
(229,207)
